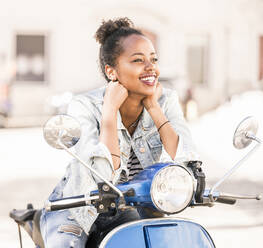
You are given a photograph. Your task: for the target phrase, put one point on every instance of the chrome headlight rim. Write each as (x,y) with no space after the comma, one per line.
(192,186)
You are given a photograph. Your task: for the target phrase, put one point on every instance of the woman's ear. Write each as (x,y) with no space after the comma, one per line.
(110,72)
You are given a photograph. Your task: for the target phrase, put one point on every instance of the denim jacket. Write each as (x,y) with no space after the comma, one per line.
(145,142)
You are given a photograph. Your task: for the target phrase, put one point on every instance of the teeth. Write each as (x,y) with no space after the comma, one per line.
(148,79)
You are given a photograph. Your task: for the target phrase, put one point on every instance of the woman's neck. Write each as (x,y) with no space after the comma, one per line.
(130,110)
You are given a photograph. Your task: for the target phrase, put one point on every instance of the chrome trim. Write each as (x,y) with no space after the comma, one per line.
(253,137)
(247,126)
(91,198)
(244,197)
(232,170)
(192,190)
(62,202)
(48,206)
(116,229)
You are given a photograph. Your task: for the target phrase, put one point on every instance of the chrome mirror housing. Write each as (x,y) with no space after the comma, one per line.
(62,129)
(244,133)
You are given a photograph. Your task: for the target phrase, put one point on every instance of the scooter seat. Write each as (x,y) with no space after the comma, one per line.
(22,215)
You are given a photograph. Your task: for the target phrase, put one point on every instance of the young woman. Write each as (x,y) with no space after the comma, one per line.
(126,126)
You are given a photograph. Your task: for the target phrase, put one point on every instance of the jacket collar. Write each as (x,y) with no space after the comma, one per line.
(144,124)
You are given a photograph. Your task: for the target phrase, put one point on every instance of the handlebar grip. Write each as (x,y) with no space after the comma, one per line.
(226,200)
(65,203)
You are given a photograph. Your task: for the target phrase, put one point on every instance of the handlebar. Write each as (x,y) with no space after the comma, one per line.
(209,200)
(226,200)
(69,202)
(82,200)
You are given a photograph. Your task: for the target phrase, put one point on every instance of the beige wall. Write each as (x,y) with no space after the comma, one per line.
(72,51)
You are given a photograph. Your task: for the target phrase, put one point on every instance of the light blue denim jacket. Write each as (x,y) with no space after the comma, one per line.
(145,142)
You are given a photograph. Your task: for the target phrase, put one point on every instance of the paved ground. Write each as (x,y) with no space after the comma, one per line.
(30,169)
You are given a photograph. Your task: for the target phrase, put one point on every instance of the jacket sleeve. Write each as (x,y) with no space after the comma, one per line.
(186,149)
(89,148)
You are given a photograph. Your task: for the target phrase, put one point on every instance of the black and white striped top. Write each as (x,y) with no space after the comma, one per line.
(134,167)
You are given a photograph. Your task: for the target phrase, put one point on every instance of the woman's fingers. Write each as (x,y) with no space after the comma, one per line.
(115,94)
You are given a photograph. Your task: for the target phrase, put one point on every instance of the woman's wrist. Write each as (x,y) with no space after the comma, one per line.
(152,107)
(109,117)
(157,115)
(108,107)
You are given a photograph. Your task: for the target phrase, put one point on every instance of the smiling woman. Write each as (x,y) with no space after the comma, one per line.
(137,66)
(128,125)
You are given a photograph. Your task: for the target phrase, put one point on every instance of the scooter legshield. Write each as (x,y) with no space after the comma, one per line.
(158,233)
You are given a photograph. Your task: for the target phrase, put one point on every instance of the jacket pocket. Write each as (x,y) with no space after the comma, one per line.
(155,145)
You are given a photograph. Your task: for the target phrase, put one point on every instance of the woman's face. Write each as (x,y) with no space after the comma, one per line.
(137,68)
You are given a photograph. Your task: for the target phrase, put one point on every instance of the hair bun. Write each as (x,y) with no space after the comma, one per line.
(109,27)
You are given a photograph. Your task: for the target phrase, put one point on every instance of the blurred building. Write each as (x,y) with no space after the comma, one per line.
(214,48)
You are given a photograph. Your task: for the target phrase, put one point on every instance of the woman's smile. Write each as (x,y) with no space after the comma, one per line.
(148,79)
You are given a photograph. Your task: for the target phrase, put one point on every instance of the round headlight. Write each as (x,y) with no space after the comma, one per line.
(172,189)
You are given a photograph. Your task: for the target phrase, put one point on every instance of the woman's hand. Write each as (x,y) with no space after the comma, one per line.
(152,101)
(115,95)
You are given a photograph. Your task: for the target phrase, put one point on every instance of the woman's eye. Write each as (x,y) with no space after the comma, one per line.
(137,60)
(155,60)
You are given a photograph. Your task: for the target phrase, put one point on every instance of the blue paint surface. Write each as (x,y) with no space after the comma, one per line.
(160,233)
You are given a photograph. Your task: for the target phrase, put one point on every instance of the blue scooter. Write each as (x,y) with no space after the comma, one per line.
(167,188)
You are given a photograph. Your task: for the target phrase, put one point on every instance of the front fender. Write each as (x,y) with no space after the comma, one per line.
(158,233)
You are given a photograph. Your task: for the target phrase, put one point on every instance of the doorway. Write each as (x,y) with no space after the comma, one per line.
(260,76)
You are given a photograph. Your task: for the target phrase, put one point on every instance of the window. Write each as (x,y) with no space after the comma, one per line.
(31,65)
(197,59)
(260,58)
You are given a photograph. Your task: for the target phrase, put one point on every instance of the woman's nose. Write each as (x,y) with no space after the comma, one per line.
(149,65)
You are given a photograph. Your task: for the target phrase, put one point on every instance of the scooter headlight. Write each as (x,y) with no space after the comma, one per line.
(172,189)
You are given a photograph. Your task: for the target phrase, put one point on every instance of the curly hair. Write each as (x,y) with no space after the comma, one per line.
(109,35)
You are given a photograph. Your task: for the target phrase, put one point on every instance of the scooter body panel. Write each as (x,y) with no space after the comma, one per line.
(158,233)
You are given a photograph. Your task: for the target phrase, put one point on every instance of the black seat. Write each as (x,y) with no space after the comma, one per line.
(22,215)
(29,219)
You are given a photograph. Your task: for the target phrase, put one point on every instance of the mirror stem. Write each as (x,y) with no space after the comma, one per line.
(235,167)
(91,169)
(253,137)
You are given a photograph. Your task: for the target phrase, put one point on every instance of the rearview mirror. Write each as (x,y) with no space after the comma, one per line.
(62,129)
(247,127)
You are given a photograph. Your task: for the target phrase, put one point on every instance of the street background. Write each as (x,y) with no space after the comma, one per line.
(210,52)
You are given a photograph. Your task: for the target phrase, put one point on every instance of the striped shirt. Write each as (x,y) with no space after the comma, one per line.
(134,167)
